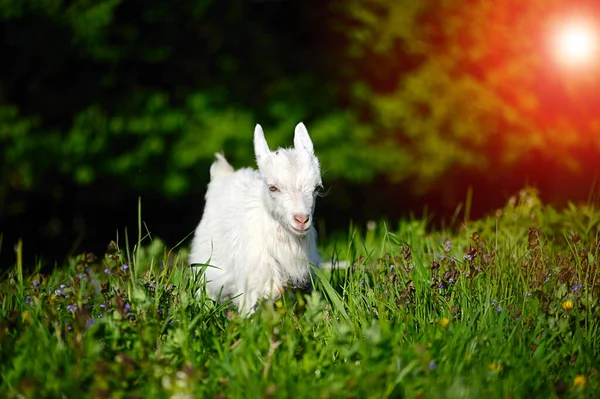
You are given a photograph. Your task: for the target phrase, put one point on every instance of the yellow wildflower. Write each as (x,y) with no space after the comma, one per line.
(579,381)
(567,305)
(496,367)
(26,317)
(444,322)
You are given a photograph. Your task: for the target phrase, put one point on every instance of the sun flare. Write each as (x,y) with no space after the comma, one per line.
(576,43)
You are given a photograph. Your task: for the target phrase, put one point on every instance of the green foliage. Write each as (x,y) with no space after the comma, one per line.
(166,147)
(135,97)
(468,85)
(144,95)
(508,306)
(17,167)
(115,101)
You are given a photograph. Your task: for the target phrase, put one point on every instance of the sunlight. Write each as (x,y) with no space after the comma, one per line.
(576,43)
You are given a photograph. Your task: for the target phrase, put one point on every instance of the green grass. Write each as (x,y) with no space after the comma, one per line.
(502,307)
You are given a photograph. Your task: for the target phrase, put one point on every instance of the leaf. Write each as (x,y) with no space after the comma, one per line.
(334,297)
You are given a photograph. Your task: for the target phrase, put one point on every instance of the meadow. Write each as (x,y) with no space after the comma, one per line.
(502,307)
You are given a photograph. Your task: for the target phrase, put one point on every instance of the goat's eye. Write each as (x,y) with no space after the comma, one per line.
(273,189)
(318,190)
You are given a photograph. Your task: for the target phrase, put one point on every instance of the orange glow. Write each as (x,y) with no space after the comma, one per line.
(576,43)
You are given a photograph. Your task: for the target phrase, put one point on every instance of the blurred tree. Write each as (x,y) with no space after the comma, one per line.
(111,88)
(459,85)
(102,101)
(106,100)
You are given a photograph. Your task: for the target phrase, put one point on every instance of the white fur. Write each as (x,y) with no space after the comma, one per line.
(249,233)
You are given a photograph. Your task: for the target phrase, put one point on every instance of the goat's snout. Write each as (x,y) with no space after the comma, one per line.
(301,220)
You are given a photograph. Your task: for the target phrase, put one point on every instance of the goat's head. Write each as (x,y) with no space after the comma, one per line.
(292,179)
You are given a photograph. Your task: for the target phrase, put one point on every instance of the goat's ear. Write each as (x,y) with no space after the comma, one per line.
(261,148)
(302,139)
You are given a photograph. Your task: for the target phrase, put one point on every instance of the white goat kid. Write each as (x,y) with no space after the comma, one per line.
(256,232)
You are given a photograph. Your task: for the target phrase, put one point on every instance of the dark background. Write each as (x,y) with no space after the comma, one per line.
(409,104)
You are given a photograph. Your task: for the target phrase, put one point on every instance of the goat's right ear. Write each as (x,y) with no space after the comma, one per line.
(261,148)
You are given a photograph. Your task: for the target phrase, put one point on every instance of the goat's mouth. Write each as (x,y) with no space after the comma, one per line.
(301,231)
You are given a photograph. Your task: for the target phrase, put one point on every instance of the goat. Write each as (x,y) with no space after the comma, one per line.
(256,233)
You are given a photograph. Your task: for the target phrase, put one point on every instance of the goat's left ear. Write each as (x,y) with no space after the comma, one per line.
(302,139)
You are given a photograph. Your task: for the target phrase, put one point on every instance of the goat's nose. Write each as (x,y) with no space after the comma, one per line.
(301,219)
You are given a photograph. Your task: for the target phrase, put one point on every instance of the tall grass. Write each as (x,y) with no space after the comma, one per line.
(502,307)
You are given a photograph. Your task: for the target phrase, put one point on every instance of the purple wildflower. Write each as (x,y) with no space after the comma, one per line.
(127,307)
(90,322)
(100,315)
(392,267)
(71,308)
(432,365)
(528,293)
(102,306)
(448,245)
(125,267)
(106,271)
(81,276)
(468,257)
(62,286)
(35,284)
(577,287)
(498,308)
(160,311)
(59,293)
